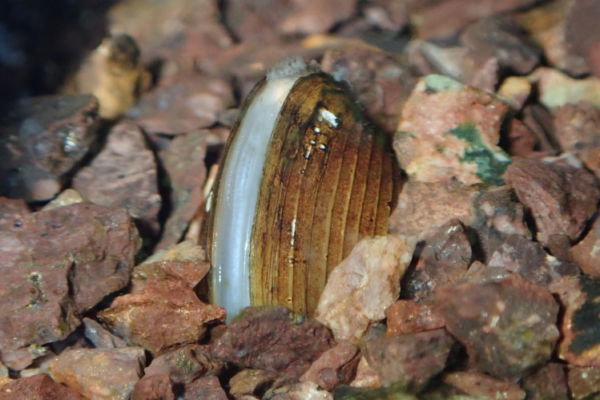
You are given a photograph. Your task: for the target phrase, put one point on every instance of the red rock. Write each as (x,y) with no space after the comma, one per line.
(100,337)
(100,373)
(482,386)
(547,383)
(184,364)
(57,264)
(411,359)
(205,388)
(507,327)
(337,366)
(561,198)
(124,175)
(521,141)
(581,29)
(181,314)
(274,339)
(12,211)
(41,141)
(37,387)
(251,381)
(408,316)
(580,344)
(594,58)
(585,251)
(583,382)
(155,387)
(539,121)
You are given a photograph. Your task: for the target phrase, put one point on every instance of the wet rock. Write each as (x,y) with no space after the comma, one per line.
(547,383)
(557,89)
(410,360)
(182,315)
(274,339)
(585,251)
(114,74)
(408,316)
(367,282)
(337,366)
(561,198)
(251,382)
(583,382)
(301,391)
(100,373)
(155,387)
(42,139)
(183,161)
(507,327)
(184,364)
(530,260)
(124,175)
(577,130)
(483,387)
(443,19)
(521,141)
(100,337)
(37,387)
(366,376)
(450,131)
(580,344)
(56,265)
(186,103)
(205,388)
(515,90)
(378,80)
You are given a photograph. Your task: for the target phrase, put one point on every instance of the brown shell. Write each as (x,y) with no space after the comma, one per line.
(334,187)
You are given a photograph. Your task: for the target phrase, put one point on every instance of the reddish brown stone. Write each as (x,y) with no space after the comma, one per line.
(155,387)
(583,382)
(521,141)
(251,382)
(561,198)
(411,359)
(585,252)
(580,344)
(337,366)
(184,364)
(205,388)
(547,383)
(408,316)
(274,339)
(41,141)
(481,273)
(507,327)
(593,58)
(12,211)
(57,264)
(581,29)
(483,387)
(37,387)
(124,175)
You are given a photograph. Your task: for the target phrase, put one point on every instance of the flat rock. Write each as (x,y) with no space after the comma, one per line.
(507,327)
(153,387)
(449,131)
(337,366)
(124,175)
(56,265)
(483,387)
(100,373)
(184,364)
(37,387)
(251,382)
(410,360)
(274,339)
(205,388)
(580,344)
(583,382)
(408,316)
(560,198)
(43,138)
(547,383)
(367,282)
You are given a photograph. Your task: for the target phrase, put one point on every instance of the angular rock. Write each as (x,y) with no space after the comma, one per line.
(301,391)
(483,387)
(183,161)
(186,103)
(124,175)
(183,317)
(100,337)
(580,344)
(155,387)
(449,131)
(65,198)
(367,282)
(585,252)
(583,382)
(515,90)
(557,89)
(274,339)
(530,260)
(507,327)
(337,366)
(481,273)
(366,376)
(409,360)
(42,139)
(561,198)
(205,388)
(56,265)
(521,141)
(184,364)
(408,316)
(547,383)
(100,373)
(37,387)
(251,382)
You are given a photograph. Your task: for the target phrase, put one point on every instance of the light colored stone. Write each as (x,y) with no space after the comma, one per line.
(515,90)
(366,283)
(366,376)
(66,197)
(557,89)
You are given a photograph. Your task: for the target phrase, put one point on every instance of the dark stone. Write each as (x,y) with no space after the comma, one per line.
(583,382)
(547,383)
(155,387)
(205,388)
(184,364)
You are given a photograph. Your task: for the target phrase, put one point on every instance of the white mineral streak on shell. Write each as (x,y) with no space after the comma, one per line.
(240,183)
